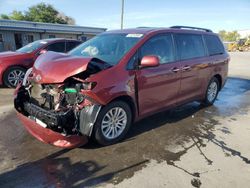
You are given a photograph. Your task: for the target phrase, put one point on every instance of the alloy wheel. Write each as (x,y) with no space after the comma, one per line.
(114,123)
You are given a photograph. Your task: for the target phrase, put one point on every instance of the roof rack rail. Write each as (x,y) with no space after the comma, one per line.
(142,27)
(188,27)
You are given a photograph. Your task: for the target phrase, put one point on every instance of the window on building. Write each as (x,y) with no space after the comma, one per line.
(1,37)
(83,38)
(52,36)
(161,46)
(57,47)
(30,38)
(214,45)
(189,46)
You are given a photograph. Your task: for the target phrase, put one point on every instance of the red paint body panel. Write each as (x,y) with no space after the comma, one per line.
(50,137)
(157,87)
(56,67)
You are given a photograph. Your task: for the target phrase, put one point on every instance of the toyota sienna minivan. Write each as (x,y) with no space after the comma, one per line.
(101,87)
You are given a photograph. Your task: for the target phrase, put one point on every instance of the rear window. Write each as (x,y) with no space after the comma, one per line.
(214,45)
(57,47)
(71,44)
(189,46)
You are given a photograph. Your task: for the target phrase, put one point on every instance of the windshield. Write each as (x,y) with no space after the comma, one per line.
(107,47)
(32,46)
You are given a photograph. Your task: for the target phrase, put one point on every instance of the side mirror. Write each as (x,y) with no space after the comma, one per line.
(43,51)
(150,61)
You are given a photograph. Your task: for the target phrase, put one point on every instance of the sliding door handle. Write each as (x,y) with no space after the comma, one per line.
(175,69)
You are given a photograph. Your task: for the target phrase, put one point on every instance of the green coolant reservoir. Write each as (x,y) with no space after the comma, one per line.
(70,90)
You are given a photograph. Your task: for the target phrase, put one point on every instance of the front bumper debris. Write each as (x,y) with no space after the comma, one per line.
(51,137)
(49,125)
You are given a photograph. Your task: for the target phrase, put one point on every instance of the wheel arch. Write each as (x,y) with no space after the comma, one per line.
(9,67)
(219,78)
(129,100)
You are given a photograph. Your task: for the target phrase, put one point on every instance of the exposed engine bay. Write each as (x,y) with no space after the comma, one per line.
(62,107)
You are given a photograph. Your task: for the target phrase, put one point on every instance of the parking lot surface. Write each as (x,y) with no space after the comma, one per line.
(190,146)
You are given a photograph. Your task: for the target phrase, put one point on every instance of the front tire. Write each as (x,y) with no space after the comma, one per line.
(211,92)
(112,123)
(13,75)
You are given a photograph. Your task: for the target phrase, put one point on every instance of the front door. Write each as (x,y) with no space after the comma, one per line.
(158,86)
(18,40)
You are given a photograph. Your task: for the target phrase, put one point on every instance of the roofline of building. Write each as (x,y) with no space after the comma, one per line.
(52,24)
(39,30)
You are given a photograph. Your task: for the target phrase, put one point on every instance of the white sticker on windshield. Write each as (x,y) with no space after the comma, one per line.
(43,42)
(135,35)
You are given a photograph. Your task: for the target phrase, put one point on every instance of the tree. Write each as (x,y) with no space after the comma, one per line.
(4,16)
(40,13)
(229,36)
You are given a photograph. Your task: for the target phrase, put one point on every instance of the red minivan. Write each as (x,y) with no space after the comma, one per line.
(13,65)
(104,85)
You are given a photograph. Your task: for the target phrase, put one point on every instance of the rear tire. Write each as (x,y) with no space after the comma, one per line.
(112,123)
(211,92)
(13,75)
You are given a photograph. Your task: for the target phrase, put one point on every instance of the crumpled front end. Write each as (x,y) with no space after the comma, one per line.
(59,114)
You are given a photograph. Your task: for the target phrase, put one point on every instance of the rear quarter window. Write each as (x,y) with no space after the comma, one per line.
(189,46)
(214,45)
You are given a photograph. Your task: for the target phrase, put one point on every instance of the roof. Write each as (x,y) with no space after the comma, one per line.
(139,30)
(15,25)
(146,30)
(57,39)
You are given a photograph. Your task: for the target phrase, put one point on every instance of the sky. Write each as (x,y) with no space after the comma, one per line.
(213,14)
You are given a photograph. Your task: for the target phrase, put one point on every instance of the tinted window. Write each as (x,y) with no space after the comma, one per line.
(214,45)
(189,46)
(133,62)
(161,46)
(57,47)
(70,45)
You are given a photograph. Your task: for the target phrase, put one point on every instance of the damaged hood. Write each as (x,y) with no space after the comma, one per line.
(53,67)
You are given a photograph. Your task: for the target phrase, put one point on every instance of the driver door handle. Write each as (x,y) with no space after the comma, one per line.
(186,68)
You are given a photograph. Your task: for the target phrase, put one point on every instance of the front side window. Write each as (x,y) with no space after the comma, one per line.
(32,46)
(57,47)
(189,46)
(161,46)
(107,47)
(214,45)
